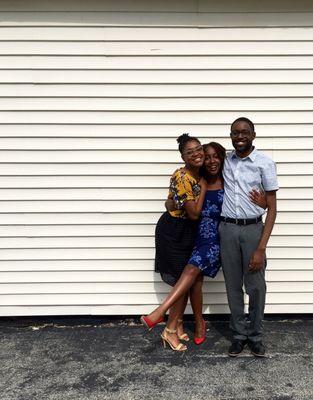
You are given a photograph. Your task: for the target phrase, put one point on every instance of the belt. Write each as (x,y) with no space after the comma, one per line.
(240,221)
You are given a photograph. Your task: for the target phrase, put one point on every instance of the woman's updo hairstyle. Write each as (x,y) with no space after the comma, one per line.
(183,139)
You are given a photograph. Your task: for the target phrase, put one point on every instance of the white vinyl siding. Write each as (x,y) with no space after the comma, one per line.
(92,97)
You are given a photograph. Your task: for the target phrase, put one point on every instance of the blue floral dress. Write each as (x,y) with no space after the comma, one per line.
(206,252)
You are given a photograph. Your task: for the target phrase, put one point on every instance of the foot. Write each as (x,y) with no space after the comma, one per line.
(155,316)
(182,335)
(257,348)
(236,348)
(148,323)
(172,339)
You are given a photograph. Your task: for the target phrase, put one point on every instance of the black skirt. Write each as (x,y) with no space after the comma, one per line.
(174,241)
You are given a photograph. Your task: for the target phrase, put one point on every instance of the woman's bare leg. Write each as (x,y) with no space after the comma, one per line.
(196,299)
(182,287)
(183,303)
(175,313)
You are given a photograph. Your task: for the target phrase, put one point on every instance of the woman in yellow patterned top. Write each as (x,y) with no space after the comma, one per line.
(183,187)
(175,235)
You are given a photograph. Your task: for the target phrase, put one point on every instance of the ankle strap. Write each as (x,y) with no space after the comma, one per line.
(170,330)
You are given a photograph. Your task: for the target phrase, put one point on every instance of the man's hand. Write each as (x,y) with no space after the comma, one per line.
(257,260)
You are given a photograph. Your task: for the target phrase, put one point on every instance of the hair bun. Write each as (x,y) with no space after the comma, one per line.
(183,138)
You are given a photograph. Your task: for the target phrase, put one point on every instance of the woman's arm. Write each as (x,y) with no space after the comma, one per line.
(193,207)
(259,198)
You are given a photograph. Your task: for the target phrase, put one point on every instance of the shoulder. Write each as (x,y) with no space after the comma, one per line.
(229,155)
(179,173)
(263,159)
(182,180)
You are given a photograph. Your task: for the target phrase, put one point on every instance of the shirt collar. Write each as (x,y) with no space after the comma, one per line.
(252,155)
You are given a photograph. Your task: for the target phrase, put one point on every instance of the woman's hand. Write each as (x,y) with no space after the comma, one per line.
(202,183)
(170,205)
(258,198)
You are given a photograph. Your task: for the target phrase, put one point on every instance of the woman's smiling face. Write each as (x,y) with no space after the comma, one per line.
(193,154)
(212,163)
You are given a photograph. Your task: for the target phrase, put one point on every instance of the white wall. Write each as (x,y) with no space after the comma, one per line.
(92,97)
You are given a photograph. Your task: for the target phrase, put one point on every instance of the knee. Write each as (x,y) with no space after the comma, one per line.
(256,288)
(191,271)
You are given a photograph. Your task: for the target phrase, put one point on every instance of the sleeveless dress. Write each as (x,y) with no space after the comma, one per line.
(206,252)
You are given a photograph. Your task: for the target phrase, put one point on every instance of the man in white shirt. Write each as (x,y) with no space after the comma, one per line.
(244,237)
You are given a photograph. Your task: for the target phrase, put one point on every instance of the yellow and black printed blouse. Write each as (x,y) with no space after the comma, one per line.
(183,187)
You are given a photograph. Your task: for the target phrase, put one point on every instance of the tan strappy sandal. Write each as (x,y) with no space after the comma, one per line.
(179,347)
(184,335)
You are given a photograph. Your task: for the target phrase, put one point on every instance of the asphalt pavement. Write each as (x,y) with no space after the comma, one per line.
(101,358)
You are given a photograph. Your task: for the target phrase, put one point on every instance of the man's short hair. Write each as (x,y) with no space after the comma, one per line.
(243,119)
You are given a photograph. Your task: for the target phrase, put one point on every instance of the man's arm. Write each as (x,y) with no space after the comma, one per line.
(258,256)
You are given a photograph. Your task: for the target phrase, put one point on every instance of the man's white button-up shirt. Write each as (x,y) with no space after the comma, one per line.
(241,175)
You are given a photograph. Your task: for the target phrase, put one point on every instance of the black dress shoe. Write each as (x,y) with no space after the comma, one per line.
(236,348)
(257,349)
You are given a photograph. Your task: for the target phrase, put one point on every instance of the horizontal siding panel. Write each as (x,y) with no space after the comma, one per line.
(119,276)
(104,287)
(121,230)
(98,206)
(154,63)
(108,6)
(124,241)
(183,6)
(55,218)
(99,144)
(125,253)
(94,299)
(148,104)
(104,181)
(82,34)
(166,76)
(138,288)
(130,298)
(72,156)
(94,194)
(134,270)
(137,309)
(111,117)
(117,172)
(156,48)
(137,181)
(166,19)
(154,89)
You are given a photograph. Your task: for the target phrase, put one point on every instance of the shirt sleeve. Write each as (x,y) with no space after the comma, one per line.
(269,176)
(188,188)
(181,188)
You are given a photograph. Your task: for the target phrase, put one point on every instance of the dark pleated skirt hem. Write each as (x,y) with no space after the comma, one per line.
(174,241)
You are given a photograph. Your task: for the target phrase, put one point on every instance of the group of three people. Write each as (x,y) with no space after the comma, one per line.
(215,207)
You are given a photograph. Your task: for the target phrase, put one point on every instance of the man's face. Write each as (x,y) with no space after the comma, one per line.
(242,137)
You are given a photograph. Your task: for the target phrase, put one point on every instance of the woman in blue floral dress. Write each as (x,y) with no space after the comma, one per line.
(206,252)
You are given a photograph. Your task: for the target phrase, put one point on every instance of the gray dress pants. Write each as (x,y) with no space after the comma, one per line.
(237,245)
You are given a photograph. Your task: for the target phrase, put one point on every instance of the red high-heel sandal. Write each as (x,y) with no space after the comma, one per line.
(200,340)
(148,323)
